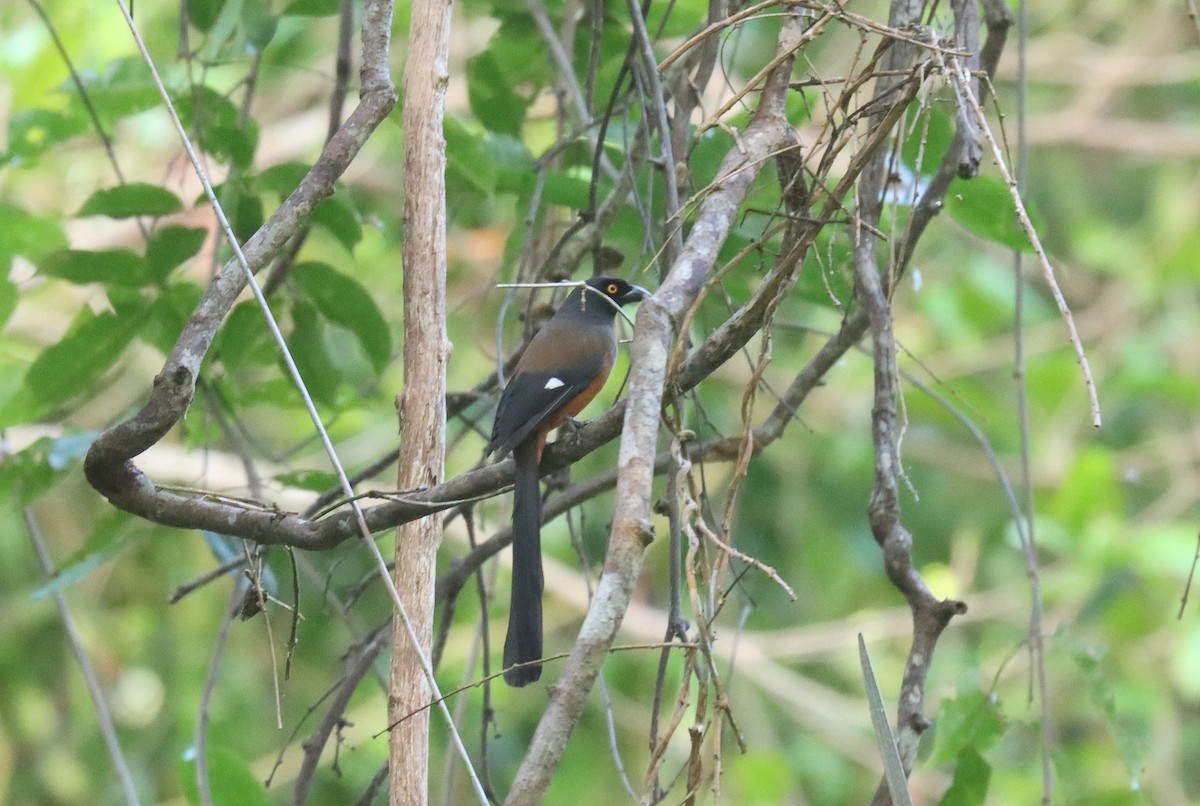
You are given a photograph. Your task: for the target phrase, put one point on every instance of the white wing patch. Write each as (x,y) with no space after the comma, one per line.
(554,383)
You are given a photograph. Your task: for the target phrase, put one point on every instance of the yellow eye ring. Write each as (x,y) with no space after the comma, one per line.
(612,289)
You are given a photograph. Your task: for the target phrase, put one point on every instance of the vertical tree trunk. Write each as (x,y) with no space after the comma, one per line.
(421,404)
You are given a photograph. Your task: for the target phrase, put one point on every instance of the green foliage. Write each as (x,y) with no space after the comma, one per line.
(127,201)
(344,302)
(984,206)
(64,370)
(101,275)
(230,779)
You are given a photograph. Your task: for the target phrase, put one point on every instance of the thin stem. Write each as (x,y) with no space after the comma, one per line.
(95,690)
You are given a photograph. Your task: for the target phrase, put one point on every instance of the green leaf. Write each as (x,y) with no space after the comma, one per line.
(27,474)
(317,367)
(27,235)
(169,314)
(89,349)
(337,216)
(229,777)
(311,8)
(282,178)
(971,778)
(1092,488)
(203,13)
(244,338)
(318,481)
(504,80)
(467,163)
(970,720)
(893,769)
(928,131)
(569,188)
(170,246)
(242,207)
(125,88)
(985,206)
(258,25)
(343,301)
(32,131)
(217,121)
(511,161)
(131,200)
(112,267)
(1090,657)
(106,541)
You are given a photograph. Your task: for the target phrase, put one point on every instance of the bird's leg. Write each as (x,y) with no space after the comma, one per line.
(570,425)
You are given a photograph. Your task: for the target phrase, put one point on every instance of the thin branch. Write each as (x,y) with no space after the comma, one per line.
(960,81)
(95,691)
(359,662)
(204,708)
(673,244)
(1025,521)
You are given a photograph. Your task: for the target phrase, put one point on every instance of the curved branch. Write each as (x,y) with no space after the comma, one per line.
(109,464)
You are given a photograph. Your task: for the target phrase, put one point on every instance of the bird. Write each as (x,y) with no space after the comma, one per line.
(564,366)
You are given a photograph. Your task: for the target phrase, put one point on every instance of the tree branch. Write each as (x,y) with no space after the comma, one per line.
(109,464)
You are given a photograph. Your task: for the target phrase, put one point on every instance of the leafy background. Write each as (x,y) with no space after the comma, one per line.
(100,278)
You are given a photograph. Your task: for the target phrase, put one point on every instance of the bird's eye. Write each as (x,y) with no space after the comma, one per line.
(612,289)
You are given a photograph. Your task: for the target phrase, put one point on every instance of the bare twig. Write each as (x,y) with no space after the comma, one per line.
(960,81)
(104,718)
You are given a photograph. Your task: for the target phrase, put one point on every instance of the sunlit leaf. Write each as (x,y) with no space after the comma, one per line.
(32,131)
(8,300)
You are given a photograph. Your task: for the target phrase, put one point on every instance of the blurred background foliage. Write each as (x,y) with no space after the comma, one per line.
(99,276)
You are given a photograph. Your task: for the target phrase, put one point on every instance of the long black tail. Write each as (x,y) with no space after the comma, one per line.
(524,640)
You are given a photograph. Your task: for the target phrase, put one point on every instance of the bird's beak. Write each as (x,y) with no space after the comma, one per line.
(636,294)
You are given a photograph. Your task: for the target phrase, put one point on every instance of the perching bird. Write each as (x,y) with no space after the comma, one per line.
(562,369)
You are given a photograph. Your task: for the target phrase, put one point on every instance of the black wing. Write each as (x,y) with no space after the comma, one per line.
(528,400)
